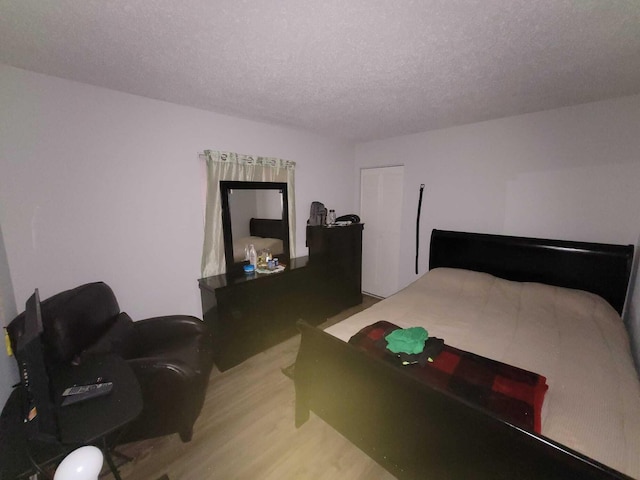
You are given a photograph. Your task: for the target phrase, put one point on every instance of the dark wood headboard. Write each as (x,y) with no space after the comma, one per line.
(267,228)
(603,269)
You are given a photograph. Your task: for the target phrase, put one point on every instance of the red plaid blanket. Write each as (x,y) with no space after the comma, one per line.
(510,392)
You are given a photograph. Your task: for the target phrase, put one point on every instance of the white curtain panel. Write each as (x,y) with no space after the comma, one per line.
(245,168)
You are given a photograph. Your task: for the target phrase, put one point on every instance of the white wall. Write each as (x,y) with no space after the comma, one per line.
(101,185)
(269,204)
(243,205)
(571,173)
(8,311)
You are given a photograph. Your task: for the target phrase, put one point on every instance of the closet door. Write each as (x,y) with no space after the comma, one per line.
(381,212)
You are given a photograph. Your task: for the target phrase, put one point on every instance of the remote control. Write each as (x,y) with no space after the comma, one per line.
(81,389)
(84,392)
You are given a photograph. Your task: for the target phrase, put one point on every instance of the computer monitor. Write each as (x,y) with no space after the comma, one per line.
(39,413)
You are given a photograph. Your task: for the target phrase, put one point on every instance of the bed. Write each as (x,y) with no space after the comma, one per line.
(547,306)
(264,233)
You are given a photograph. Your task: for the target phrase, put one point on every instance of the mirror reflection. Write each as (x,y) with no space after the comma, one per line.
(254,213)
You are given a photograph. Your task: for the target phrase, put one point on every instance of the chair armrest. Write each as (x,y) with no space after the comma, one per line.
(172,394)
(166,384)
(160,371)
(169,327)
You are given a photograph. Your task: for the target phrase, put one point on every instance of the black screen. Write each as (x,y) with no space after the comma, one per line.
(38,412)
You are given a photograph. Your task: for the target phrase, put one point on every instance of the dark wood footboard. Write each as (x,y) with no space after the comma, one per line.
(416,431)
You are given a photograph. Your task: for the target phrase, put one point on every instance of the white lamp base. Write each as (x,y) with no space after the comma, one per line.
(85,463)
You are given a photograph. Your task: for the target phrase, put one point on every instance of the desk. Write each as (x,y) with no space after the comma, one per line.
(83,423)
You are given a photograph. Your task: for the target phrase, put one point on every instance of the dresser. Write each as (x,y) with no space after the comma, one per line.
(248,313)
(336,255)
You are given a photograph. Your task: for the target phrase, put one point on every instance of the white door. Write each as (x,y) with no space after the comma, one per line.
(381,212)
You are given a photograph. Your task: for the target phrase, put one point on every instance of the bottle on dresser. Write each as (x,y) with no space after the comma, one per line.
(331,218)
(253,255)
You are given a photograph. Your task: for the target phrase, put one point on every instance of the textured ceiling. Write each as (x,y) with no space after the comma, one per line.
(354,69)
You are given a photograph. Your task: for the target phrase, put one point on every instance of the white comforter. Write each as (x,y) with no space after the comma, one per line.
(574,338)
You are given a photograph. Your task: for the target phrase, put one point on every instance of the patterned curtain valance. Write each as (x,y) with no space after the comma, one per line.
(240,159)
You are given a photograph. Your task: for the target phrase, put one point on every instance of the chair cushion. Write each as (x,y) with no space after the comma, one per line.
(118,339)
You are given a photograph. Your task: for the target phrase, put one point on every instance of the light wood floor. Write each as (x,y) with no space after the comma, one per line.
(246,431)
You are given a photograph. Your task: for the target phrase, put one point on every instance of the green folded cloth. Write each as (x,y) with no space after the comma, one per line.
(407,340)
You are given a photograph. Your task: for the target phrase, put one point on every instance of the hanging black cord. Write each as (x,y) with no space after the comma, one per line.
(418,226)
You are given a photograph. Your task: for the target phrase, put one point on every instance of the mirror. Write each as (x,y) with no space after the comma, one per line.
(254,213)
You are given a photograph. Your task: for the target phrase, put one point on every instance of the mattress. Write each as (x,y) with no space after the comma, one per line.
(574,338)
(260,243)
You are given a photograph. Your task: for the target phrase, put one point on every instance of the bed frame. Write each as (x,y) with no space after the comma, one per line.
(416,431)
(267,228)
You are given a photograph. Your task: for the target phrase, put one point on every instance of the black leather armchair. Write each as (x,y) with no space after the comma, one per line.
(171,356)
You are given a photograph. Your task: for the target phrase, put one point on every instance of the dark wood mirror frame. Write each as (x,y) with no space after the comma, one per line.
(226,187)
